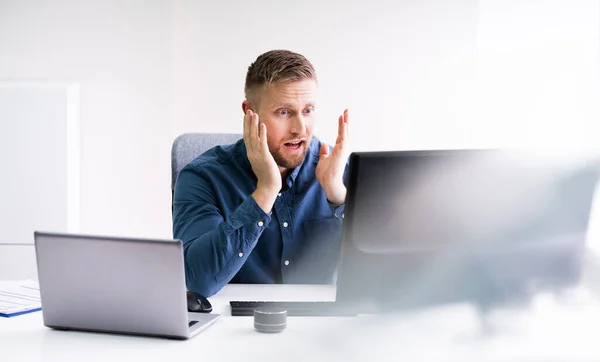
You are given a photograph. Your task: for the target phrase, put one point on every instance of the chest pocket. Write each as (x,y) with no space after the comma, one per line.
(321,240)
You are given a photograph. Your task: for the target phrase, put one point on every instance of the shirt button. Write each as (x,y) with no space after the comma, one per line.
(279,194)
(287,262)
(342,216)
(285,224)
(260,223)
(241,254)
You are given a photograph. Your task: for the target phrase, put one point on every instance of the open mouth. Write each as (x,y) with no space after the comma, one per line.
(293,145)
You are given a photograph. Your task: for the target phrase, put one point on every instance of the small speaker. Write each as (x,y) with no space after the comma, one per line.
(270,320)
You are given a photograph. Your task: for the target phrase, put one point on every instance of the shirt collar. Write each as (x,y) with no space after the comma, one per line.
(292,176)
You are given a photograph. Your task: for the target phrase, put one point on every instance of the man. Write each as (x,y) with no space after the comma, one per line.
(267,209)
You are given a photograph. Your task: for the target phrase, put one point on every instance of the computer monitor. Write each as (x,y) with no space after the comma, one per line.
(425,228)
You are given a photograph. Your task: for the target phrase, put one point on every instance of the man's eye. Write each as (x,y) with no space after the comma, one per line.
(309,110)
(283,112)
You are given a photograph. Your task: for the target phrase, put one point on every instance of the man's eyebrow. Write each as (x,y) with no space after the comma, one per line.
(290,105)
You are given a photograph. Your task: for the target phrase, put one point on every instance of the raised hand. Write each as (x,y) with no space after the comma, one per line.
(263,164)
(330,169)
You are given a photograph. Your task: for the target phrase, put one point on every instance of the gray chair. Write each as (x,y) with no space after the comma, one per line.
(188,146)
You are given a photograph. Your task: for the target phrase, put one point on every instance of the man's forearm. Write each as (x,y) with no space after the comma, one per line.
(208,267)
(214,257)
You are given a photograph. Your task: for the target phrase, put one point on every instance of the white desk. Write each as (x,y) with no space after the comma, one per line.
(545,333)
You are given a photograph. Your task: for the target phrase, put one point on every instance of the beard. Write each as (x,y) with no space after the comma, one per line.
(290,161)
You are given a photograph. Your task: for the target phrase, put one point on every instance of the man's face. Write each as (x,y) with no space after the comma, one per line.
(287,109)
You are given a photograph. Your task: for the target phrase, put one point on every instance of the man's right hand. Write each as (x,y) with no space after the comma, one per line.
(263,164)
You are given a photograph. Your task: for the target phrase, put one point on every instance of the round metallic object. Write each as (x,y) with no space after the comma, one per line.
(270,320)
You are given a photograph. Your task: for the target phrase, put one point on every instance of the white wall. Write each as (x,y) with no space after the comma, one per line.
(398,65)
(537,72)
(120,54)
(39,150)
(415,74)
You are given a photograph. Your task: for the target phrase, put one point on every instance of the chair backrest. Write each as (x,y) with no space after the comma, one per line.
(188,146)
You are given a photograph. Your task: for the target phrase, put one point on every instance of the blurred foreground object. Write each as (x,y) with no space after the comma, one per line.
(483,226)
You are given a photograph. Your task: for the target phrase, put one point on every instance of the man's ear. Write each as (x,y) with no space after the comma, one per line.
(246,105)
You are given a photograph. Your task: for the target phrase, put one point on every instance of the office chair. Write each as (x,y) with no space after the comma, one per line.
(188,146)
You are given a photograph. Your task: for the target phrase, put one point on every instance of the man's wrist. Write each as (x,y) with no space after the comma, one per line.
(336,195)
(265,198)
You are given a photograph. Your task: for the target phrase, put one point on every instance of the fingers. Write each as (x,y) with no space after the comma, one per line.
(257,132)
(248,129)
(340,135)
(251,130)
(263,138)
(346,122)
(246,125)
(324,152)
(343,128)
(254,127)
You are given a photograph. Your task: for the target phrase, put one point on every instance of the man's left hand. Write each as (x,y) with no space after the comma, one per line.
(330,169)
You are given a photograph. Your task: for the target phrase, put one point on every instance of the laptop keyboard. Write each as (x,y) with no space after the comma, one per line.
(246,308)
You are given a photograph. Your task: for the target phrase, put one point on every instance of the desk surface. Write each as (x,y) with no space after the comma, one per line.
(546,331)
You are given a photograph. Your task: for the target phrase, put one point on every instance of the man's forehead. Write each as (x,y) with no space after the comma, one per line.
(292,94)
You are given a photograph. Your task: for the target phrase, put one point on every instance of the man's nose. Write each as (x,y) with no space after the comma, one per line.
(298,124)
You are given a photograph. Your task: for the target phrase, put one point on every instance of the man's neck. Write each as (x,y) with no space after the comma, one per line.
(285,172)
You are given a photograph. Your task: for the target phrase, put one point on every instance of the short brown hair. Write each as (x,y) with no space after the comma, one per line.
(277,66)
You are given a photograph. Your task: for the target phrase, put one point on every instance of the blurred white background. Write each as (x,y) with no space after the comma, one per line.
(415,75)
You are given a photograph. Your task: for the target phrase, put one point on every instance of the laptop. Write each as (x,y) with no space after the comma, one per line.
(115,285)
(425,228)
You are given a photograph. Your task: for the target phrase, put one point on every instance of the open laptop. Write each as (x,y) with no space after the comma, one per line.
(115,285)
(424,228)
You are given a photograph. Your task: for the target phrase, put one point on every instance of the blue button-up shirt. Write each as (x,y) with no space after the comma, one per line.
(227,237)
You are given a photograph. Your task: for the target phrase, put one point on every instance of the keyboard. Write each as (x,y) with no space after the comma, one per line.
(246,308)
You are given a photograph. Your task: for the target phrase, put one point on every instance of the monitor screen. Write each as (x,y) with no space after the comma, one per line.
(450,225)
(411,201)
